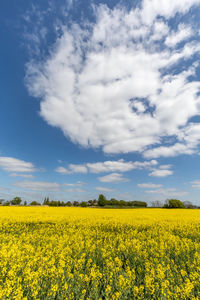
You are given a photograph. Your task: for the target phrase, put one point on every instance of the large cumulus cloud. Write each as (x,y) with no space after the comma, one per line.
(125,82)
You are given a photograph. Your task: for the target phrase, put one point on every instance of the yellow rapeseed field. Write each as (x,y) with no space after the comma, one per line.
(86,253)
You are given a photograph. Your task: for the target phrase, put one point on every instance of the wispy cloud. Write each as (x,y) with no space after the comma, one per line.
(38,185)
(196,184)
(72,169)
(10,164)
(184,32)
(168,192)
(103,189)
(161,173)
(113,177)
(119,166)
(62,170)
(48,186)
(79,183)
(22,175)
(75,190)
(149,185)
(107,166)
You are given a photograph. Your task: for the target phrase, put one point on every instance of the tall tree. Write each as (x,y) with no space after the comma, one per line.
(102,200)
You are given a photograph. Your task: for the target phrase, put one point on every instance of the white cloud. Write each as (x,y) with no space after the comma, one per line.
(77,168)
(79,183)
(110,166)
(103,189)
(22,175)
(49,186)
(196,184)
(149,185)
(10,164)
(62,170)
(111,84)
(145,164)
(76,190)
(38,185)
(119,166)
(107,166)
(190,136)
(72,169)
(153,8)
(184,33)
(113,177)
(161,173)
(170,192)
(165,167)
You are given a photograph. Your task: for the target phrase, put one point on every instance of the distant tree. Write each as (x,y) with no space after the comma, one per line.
(76,203)
(35,203)
(83,204)
(1,201)
(138,204)
(188,204)
(95,202)
(68,203)
(174,203)
(113,201)
(156,203)
(102,200)
(6,203)
(122,203)
(90,202)
(53,203)
(46,201)
(25,203)
(16,201)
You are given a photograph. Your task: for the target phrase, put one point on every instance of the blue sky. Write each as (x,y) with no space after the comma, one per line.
(100,97)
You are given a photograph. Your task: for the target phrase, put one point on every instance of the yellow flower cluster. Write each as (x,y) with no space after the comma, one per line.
(85,253)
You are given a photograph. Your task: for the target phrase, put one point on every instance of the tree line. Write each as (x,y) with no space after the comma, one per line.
(101,202)
(173,203)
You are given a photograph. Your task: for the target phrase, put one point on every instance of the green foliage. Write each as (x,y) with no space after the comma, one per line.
(92,202)
(113,201)
(102,200)
(123,203)
(46,201)
(16,201)
(35,203)
(174,203)
(83,204)
(139,203)
(1,201)
(6,203)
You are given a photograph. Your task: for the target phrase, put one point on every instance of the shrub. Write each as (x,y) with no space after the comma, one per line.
(35,203)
